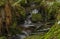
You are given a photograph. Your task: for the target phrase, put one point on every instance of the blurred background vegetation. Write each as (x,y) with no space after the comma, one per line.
(48,14)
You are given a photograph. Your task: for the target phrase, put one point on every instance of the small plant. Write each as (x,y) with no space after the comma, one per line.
(36,17)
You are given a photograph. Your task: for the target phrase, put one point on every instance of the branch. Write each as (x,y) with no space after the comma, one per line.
(16,2)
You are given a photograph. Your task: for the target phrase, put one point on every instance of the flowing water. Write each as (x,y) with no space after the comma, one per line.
(27,24)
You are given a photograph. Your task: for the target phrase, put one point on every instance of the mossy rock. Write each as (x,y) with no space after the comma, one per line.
(36,17)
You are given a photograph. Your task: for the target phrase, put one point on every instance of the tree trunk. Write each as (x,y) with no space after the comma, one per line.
(8,15)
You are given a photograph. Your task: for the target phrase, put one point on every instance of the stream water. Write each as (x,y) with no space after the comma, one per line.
(27,24)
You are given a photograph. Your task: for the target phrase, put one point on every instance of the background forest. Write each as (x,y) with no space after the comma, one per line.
(29,19)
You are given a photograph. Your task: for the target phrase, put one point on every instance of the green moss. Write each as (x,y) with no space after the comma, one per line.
(34,36)
(3,37)
(36,17)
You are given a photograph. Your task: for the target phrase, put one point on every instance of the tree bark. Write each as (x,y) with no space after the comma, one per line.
(8,15)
